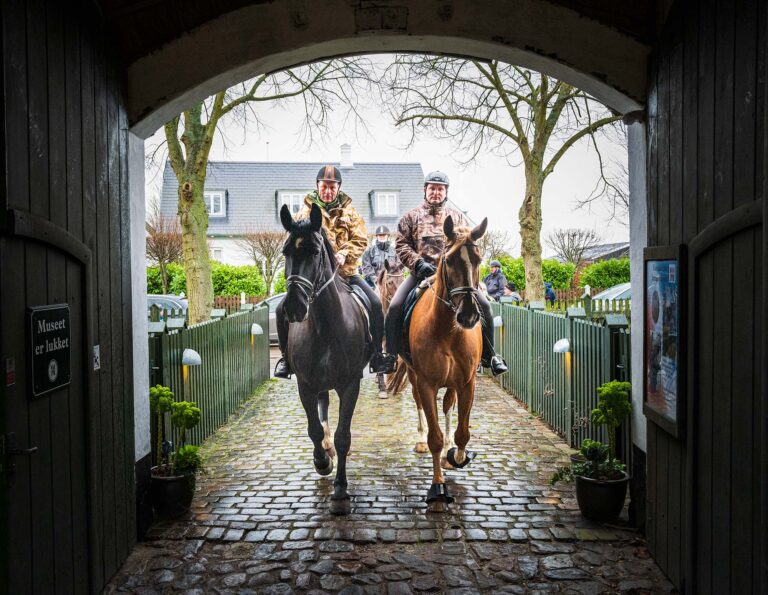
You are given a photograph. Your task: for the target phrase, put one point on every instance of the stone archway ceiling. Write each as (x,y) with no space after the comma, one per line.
(178,52)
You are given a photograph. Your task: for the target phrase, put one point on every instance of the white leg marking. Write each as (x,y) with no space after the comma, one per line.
(459,457)
(327,440)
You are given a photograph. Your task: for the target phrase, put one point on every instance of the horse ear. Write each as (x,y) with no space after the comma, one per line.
(386,265)
(448,228)
(315,218)
(479,231)
(286,218)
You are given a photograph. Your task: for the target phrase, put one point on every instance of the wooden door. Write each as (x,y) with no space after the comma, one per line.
(44,491)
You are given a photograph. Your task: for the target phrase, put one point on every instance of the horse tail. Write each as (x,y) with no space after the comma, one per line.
(397,381)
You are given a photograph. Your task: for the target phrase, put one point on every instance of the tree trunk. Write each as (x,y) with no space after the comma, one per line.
(197,262)
(530,233)
(164,277)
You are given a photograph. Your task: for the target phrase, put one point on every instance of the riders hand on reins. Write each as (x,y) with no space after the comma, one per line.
(419,245)
(346,232)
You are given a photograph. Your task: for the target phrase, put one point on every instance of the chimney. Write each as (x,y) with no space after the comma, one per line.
(346,156)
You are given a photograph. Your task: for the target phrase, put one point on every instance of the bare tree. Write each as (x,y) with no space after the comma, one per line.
(496,243)
(570,245)
(164,243)
(613,186)
(503,108)
(318,88)
(265,248)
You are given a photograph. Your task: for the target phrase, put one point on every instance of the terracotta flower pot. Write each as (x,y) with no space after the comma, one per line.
(601,500)
(171,495)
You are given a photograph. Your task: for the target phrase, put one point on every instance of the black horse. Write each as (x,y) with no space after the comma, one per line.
(328,343)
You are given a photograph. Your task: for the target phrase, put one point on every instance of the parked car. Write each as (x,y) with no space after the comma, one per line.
(272,302)
(622,291)
(167,302)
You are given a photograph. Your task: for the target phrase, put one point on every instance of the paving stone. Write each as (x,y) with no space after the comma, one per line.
(566,574)
(323,567)
(336,546)
(352,590)
(332,582)
(304,580)
(398,588)
(425,583)
(164,563)
(396,575)
(349,567)
(366,579)
(475,535)
(235,580)
(539,547)
(278,589)
(556,561)
(528,566)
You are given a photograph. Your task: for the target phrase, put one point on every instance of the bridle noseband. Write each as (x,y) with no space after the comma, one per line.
(309,288)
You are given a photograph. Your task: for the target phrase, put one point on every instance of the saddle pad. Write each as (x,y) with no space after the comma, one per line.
(410,303)
(365,306)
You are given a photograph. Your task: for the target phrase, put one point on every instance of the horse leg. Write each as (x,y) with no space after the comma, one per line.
(437,495)
(323,401)
(309,400)
(340,502)
(449,401)
(382,382)
(459,456)
(421,426)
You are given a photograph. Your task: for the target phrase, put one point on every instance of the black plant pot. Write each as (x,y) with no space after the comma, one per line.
(601,500)
(171,495)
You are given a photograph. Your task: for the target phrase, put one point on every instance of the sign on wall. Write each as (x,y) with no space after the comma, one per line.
(50,344)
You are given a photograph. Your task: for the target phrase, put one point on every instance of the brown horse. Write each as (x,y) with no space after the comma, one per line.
(390,277)
(446,345)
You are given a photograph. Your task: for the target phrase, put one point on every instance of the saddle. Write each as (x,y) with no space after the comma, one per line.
(408,306)
(364,303)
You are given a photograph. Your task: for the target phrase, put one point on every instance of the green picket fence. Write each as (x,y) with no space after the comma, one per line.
(561,387)
(234,362)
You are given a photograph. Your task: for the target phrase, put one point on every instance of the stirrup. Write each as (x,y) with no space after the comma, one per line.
(498,365)
(282,369)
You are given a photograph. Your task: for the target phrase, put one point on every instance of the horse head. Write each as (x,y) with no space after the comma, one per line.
(459,270)
(389,278)
(309,262)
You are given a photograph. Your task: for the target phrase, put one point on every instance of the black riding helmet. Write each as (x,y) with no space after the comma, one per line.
(329,173)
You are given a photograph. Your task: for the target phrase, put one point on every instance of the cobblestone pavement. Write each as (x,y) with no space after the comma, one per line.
(260,523)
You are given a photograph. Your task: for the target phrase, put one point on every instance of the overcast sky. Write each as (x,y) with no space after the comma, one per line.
(488,187)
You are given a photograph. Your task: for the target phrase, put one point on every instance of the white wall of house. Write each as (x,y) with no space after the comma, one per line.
(226,251)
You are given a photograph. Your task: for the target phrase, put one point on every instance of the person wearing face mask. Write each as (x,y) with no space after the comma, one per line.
(381,251)
(345,229)
(419,244)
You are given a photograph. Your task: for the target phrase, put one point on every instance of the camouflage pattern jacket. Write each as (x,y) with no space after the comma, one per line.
(345,229)
(420,233)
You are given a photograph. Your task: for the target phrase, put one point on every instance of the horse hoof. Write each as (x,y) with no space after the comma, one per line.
(421,448)
(341,506)
(469,455)
(383,394)
(438,498)
(327,470)
(445,464)
(331,452)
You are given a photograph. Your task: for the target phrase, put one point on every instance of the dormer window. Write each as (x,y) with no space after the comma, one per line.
(293,198)
(385,203)
(215,203)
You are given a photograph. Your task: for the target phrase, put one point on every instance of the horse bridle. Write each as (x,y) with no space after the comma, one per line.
(307,287)
(464,290)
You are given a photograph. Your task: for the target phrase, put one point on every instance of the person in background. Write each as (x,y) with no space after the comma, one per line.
(495,281)
(510,293)
(549,293)
(379,252)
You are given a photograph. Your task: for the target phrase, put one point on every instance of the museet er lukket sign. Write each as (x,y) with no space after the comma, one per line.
(50,343)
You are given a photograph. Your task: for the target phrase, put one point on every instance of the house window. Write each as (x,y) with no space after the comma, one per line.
(294,200)
(385,204)
(215,203)
(216,254)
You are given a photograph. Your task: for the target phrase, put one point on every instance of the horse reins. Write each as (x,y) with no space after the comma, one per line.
(307,287)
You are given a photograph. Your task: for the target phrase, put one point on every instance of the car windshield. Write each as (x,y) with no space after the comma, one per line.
(274,301)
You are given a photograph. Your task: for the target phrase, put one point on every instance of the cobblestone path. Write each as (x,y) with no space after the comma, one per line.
(260,521)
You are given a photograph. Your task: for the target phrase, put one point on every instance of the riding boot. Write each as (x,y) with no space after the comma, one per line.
(384,363)
(283,369)
(490,358)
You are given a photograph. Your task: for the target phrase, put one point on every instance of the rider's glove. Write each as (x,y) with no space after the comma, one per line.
(423,269)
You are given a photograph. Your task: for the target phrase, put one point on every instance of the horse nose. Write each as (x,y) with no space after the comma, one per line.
(295,308)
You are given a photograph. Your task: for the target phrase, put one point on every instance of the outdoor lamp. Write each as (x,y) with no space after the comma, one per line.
(190,357)
(562,346)
(256,330)
(498,322)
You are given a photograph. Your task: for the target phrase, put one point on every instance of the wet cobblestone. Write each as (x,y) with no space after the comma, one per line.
(260,523)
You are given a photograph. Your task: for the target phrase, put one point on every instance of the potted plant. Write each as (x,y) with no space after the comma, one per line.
(173,476)
(601,479)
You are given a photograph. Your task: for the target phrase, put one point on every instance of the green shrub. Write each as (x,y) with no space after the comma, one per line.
(606,273)
(559,274)
(280,286)
(232,280)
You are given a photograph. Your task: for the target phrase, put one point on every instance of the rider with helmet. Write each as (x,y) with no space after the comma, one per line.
(419,244)
(381,251)
(346,232)
(495,281)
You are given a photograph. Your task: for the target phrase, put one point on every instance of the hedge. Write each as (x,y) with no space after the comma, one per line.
(227,280)
(606,273)
(557,273)
(280,282)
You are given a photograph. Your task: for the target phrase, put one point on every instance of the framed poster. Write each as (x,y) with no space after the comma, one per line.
(663,333)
